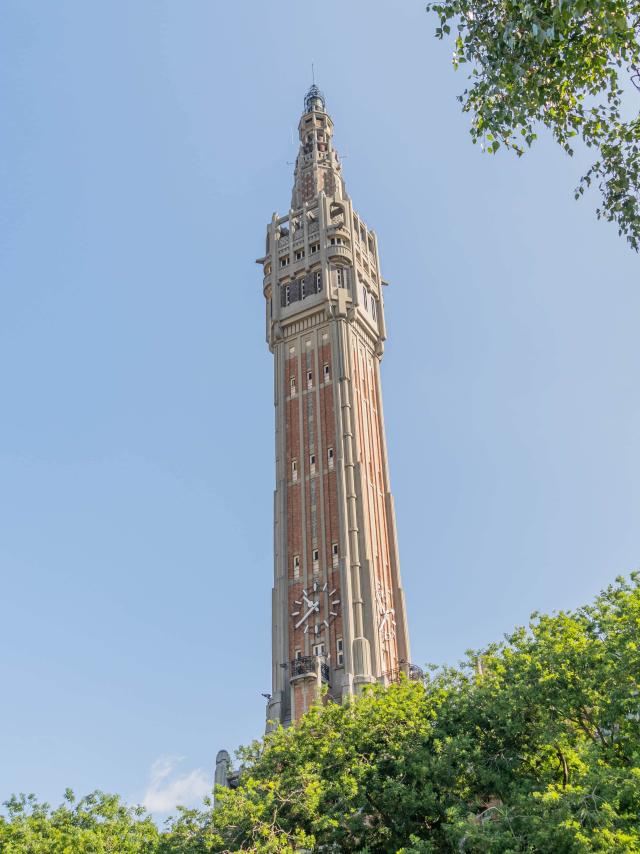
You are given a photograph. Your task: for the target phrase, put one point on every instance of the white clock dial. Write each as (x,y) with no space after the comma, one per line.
(311,604)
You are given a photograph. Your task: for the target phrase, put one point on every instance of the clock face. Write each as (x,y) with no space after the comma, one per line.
(316,610)
(386,614)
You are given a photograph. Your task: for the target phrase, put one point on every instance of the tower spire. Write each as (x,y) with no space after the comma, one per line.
(317,166)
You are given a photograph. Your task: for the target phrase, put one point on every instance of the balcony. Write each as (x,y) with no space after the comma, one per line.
(410,671)
(306,666)
(339,250)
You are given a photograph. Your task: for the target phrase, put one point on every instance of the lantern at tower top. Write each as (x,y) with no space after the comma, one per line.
(314,100)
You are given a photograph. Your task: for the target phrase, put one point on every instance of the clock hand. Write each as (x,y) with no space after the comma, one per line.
(314,607)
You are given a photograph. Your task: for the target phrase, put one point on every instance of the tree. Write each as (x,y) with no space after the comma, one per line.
(97,824)
(532,745)
(561,64)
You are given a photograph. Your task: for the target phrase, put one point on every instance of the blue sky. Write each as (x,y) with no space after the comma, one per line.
(143,149)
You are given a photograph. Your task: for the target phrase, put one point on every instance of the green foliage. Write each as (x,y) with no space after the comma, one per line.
(532,745)
(97,824)
(561,64)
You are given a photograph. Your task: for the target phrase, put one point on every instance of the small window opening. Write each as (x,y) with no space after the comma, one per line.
(312,463)
(327,372)
(334,555)
(296,566)
(294,470)
(318,649)
(309,379)
(330,457)
(339,652)
(292,383)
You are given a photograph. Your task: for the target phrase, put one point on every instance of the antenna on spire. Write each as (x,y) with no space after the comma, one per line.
(313,74)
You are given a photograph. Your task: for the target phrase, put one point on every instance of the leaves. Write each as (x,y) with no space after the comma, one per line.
(539,753)
(562,64)
(97,824)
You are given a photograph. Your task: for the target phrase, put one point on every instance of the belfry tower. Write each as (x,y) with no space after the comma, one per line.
(338,607)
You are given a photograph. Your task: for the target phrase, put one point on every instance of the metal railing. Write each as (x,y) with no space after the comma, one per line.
(306,666)
(411,671)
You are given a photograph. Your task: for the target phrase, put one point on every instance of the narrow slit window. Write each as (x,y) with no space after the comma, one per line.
(292,383)
(309,379)
(334,555)
(296,566)
(327,372)
(318,282)
(365,297)
(294,470)
(315,556)
(339,652)
(330,458)
(312,463)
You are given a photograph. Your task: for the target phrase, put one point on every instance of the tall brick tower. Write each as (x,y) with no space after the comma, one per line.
(338,607)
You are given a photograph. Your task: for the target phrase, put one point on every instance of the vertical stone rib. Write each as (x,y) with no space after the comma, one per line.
(361,649)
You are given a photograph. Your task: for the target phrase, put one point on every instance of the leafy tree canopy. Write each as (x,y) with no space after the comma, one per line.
(532,745)
(562,64)
(97,824)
